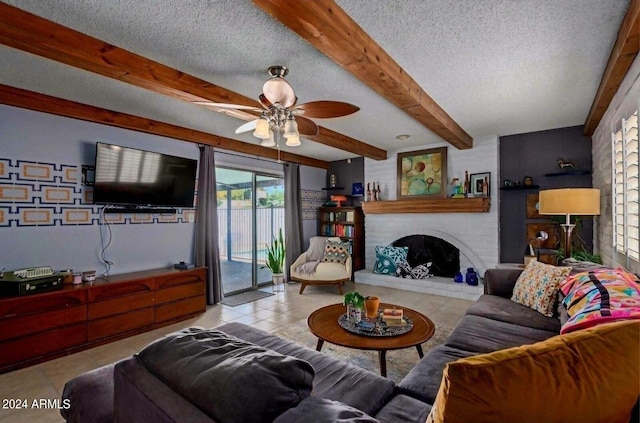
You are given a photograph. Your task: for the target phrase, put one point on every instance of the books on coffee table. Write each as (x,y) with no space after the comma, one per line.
(393,317)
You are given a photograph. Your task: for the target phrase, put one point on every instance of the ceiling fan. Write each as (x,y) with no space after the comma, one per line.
(280,114)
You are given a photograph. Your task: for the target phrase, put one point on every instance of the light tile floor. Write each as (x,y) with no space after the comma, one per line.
(46,380)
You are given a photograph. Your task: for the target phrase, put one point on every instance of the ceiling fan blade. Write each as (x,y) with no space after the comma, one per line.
(227,106)
(277,90)
(246,127)
(263,100)
(325,109)
(306,126)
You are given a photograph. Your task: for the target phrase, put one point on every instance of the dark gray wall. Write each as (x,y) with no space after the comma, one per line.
(347,174)
(536,154)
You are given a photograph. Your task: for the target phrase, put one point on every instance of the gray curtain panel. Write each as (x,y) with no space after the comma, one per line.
(207,225)
(292,214)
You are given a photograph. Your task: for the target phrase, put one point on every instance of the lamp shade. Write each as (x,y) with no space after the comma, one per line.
(293,141)
(291,128)
(268,142)
(262,129)
(570,201)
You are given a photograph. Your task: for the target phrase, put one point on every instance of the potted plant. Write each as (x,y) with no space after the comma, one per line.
(355,304)
(275,259)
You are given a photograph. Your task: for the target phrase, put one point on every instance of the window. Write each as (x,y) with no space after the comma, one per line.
(625,188)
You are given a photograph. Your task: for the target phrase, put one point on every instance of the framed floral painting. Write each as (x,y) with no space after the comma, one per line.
(422,173)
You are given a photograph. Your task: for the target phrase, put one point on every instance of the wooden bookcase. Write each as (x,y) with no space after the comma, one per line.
(348,224)
(40,327)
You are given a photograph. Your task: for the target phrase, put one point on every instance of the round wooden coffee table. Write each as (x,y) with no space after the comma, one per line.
(323,323)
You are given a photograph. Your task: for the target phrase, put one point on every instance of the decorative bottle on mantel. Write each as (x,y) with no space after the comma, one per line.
(467,191)
(378,194)
(368,197)
(374,193)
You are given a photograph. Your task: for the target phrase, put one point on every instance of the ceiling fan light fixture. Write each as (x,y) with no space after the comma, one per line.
(293,141)
(262,128)
(291,128)
(268,142)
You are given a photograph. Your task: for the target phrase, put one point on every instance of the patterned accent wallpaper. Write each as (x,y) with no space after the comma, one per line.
(311,200)
(49,194)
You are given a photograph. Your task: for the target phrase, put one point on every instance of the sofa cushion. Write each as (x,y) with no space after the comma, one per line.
(314,409)
(588,376)
(505,310)
(423,381)
(537,286)
(388,258)
(227,378)
(335,252)
(600,296)
(90,397)
(482,335)
(334,379)
(403,409)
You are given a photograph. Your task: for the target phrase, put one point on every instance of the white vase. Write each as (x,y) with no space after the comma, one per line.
(278,282)
(354,313)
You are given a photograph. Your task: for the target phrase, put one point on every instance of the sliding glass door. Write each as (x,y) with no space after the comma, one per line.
(250,213)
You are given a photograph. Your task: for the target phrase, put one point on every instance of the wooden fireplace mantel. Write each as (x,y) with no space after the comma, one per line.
(428,205)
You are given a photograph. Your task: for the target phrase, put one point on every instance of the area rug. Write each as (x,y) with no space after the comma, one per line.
(399,362)
(245,297)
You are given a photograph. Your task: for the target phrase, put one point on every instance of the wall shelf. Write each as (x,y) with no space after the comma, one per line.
(519,188)
(569,173)
(429,205)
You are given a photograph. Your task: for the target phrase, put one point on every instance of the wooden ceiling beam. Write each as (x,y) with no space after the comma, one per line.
(44,103)
(39,36)
(329,29)
(624,52)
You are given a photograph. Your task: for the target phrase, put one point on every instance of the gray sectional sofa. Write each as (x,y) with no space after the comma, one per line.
(172,387)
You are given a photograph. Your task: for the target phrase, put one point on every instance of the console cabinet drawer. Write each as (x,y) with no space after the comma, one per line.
(121,323)
(41,303)
(120,305)
(184,277)
(27,325)
(189,306)
(179,292)
(28,347)
(105,292)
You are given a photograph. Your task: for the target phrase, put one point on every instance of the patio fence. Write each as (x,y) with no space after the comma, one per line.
(234,231)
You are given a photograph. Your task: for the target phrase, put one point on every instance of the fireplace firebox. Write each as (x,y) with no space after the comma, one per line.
(423,249)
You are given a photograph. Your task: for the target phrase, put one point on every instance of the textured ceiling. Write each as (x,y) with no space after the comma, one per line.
(496,66)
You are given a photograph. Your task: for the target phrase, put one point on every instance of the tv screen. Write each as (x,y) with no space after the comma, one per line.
(127,176)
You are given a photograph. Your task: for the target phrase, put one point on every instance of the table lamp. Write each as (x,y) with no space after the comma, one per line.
(568,202)
(338,199)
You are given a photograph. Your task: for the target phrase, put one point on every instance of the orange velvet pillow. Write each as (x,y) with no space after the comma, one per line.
(586,376)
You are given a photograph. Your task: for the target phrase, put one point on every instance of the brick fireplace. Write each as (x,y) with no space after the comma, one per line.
(474,234)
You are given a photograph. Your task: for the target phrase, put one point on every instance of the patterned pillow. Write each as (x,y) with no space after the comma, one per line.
(537,286)
(600,296)
(335,252)
(388,258)
(403,270)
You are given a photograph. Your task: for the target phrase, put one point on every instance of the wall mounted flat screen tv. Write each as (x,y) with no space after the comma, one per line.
(128,176)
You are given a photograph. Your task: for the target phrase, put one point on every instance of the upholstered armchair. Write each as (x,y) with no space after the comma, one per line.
(326,262)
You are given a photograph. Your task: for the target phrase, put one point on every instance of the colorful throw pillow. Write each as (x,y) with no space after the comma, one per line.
(388,258)
(537,286)
(335,252)
(599,296)
(587,376)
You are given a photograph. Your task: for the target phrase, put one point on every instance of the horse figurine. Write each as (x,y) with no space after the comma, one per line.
(566,164)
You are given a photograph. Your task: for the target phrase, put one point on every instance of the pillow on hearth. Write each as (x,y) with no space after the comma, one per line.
(537,286)
(335,252)
(388,258)
(588,376)
(403,270)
